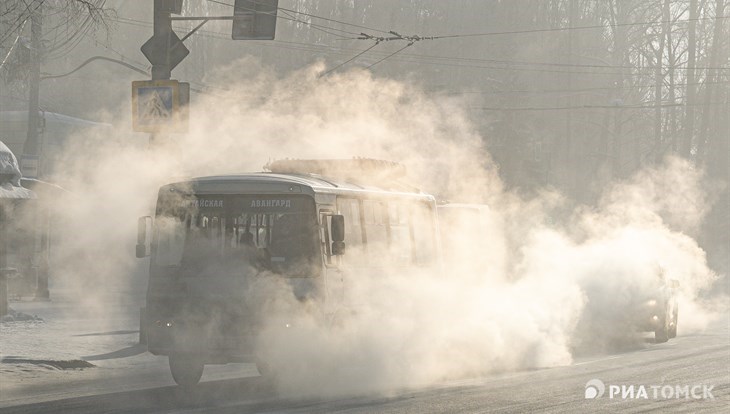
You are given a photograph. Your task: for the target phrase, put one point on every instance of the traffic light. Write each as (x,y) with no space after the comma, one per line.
(254,19)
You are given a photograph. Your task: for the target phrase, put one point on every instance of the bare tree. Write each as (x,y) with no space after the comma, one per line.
(689,117)
(65,24)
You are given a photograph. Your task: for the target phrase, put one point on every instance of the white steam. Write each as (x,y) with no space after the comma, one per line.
(555,276)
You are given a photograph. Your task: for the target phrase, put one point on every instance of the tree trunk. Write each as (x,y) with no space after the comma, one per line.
(689,117)
(658,83)
(619,56)
(714,55)
(672,59)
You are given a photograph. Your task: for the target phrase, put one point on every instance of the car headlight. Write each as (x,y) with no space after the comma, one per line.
(651,302)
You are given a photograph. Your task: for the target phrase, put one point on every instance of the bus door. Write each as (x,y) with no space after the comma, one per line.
(334,276)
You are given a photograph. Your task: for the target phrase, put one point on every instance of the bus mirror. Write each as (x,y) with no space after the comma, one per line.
(338,248)
(338,228)
(141,251)
(143,244)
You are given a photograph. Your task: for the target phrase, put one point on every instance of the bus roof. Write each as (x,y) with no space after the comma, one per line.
(464,206)
(266,182)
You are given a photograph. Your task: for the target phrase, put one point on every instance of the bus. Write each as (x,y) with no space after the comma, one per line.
(212,237)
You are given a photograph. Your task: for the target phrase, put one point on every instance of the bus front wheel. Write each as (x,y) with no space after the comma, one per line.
(186,369)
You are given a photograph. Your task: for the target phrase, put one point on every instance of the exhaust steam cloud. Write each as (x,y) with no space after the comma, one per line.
(541,282)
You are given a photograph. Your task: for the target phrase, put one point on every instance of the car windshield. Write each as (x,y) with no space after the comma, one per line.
(270,233)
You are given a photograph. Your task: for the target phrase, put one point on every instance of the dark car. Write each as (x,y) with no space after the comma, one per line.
(658,311)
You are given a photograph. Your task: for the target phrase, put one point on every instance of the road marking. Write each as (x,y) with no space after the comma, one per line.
(597,360)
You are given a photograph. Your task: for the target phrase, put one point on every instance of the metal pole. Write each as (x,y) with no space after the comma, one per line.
(162,27)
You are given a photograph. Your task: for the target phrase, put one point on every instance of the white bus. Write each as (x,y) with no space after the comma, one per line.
(213,236)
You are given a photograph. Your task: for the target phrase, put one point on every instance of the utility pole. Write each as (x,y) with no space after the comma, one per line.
(162,30)
(30,160)
(252,20)
(32,146)
(160,104)
(165,39)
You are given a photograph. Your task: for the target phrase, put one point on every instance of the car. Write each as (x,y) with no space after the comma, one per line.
(658,310)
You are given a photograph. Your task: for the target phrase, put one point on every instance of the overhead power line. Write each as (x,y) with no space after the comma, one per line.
(293,19)
(576,90)
(564,29)
(316,17)
(403,57)
(392,54)
(91,59)
(329,32)
(450,61)
(349,60)
(564,108)
(556,29)
(108,59)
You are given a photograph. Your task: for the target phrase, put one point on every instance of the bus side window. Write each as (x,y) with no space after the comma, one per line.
(213,229)
(350,209)
(376,230)
(400,234)
(422,233)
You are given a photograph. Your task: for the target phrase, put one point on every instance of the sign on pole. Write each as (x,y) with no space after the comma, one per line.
(165,50)
(156,106)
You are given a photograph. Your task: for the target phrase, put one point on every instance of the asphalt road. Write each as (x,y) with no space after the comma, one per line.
(692,360)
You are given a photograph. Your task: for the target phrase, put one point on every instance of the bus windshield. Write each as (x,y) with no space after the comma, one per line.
(272,233)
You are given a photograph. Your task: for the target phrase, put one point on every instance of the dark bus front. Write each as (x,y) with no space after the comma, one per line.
(210,254)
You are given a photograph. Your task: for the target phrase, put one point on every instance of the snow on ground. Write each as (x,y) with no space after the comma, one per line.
(56,343)
(75,350)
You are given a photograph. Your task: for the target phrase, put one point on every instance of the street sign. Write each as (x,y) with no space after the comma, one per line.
(165,50)
(254,19)
(156,106)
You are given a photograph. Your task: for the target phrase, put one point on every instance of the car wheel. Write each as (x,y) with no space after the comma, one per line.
(673,325)
(661,334)
(186,369)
